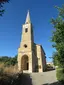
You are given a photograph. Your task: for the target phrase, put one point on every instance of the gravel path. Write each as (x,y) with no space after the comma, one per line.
(45,78)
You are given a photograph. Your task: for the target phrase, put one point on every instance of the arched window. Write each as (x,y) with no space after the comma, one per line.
(26,30)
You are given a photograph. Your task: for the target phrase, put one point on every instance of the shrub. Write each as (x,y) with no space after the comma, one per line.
(11,69)
(60,74)
(1,68)
(8,69)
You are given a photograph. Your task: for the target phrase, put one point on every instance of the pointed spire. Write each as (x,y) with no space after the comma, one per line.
(28,18)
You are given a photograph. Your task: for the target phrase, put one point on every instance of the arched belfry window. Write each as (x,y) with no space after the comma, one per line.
(26,30)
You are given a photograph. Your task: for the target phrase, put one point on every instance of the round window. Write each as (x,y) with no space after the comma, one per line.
(25,46)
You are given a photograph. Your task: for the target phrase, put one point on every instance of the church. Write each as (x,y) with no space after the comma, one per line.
(31,56)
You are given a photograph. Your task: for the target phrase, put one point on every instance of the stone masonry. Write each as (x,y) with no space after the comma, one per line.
(31,56)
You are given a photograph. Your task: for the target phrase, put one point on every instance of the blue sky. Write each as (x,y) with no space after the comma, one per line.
(41,11)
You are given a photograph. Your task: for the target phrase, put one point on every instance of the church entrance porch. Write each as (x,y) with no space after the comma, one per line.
(24,63)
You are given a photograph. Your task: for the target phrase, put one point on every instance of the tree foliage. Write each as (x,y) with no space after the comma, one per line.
(58,36)
(8,60)
(2,2)
(55,58)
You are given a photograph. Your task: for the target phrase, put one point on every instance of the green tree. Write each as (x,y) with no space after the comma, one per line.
(8,60)
(14,60)
(2,2)
(55,58)
(58,36)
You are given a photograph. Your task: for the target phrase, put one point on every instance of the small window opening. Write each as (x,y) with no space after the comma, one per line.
(25,46)
(26,30)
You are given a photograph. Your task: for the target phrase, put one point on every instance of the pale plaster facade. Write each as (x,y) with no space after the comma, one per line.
(31,56)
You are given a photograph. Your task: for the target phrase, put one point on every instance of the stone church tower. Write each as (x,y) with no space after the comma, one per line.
(31,56)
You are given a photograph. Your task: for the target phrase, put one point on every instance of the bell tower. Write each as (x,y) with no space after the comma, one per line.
(25,53)
(27,30)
